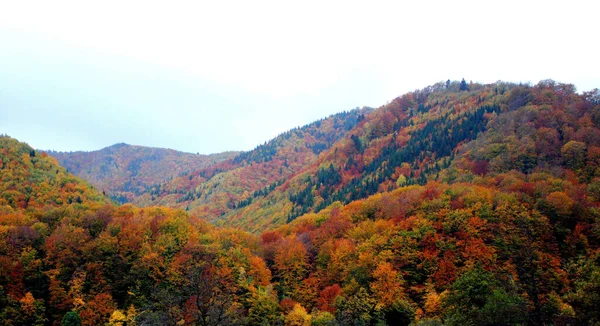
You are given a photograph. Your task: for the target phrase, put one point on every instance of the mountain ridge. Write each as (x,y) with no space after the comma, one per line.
(123,170)
(412,139)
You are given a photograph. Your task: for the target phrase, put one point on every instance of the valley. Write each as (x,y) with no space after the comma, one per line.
(456,204)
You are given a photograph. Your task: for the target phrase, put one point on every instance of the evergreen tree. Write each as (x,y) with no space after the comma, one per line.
(463,85)
(71,319)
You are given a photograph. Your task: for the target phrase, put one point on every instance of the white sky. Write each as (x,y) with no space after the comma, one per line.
(210,76)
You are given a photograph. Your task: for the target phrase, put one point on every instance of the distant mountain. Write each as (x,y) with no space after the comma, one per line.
(124,171)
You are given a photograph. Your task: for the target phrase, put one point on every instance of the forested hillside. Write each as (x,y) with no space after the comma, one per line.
(124,171)
(70,257)
(446,132)
(458,204)
(213,192)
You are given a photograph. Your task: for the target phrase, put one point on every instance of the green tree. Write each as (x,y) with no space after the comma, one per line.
(358,308)
(585,297)
(71,318)
(323,318)
(574,154)
(264,309)
(477,298)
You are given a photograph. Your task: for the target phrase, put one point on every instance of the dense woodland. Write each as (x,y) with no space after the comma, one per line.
(217,190)
(457,204)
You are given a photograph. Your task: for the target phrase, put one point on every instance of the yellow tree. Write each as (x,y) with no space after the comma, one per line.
(290,264)
(298,317)
(387,284)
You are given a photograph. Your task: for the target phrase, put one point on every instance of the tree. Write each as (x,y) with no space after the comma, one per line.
(117,318)
(358,308)
(477,298)
(98,310)
(387,284)
(585,296)
(210,294)
(264,309)
(323,318)
(298,317)
(463,85)
(290,264)
(71,318)
(33,310)
(327,298)
(574,154)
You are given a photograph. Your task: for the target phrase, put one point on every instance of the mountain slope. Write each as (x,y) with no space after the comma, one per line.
(125,171)
(447,132)
(33,182)
(484,253)
(440,133)
(482,208)
(218,189)
(68,254)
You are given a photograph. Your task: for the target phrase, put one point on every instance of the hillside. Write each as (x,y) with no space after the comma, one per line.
(447,134)
(34,183)
(507,249)
(428,134)
(124,171)
(70,257)
(459,204)
(215,191)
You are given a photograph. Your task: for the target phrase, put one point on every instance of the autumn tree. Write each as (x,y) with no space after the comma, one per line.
(387,284)
(210,296)
(574,153)
(97,310)
(290,265)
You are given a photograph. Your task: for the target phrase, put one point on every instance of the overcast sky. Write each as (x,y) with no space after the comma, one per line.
(211,76)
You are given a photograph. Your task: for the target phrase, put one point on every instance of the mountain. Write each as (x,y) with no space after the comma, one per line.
(445,132)
(508,249)
(458,204)
(474,205)
(124,171)
(221,188)
(68,256)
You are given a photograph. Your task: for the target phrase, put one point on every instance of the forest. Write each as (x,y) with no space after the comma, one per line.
(457,204)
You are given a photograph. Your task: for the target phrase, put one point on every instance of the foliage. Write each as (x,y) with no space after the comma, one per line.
(469,207)
(71,318)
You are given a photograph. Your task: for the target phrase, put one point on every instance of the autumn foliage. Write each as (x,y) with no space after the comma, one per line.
(492,219)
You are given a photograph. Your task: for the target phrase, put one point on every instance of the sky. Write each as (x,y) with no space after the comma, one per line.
(214,76)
